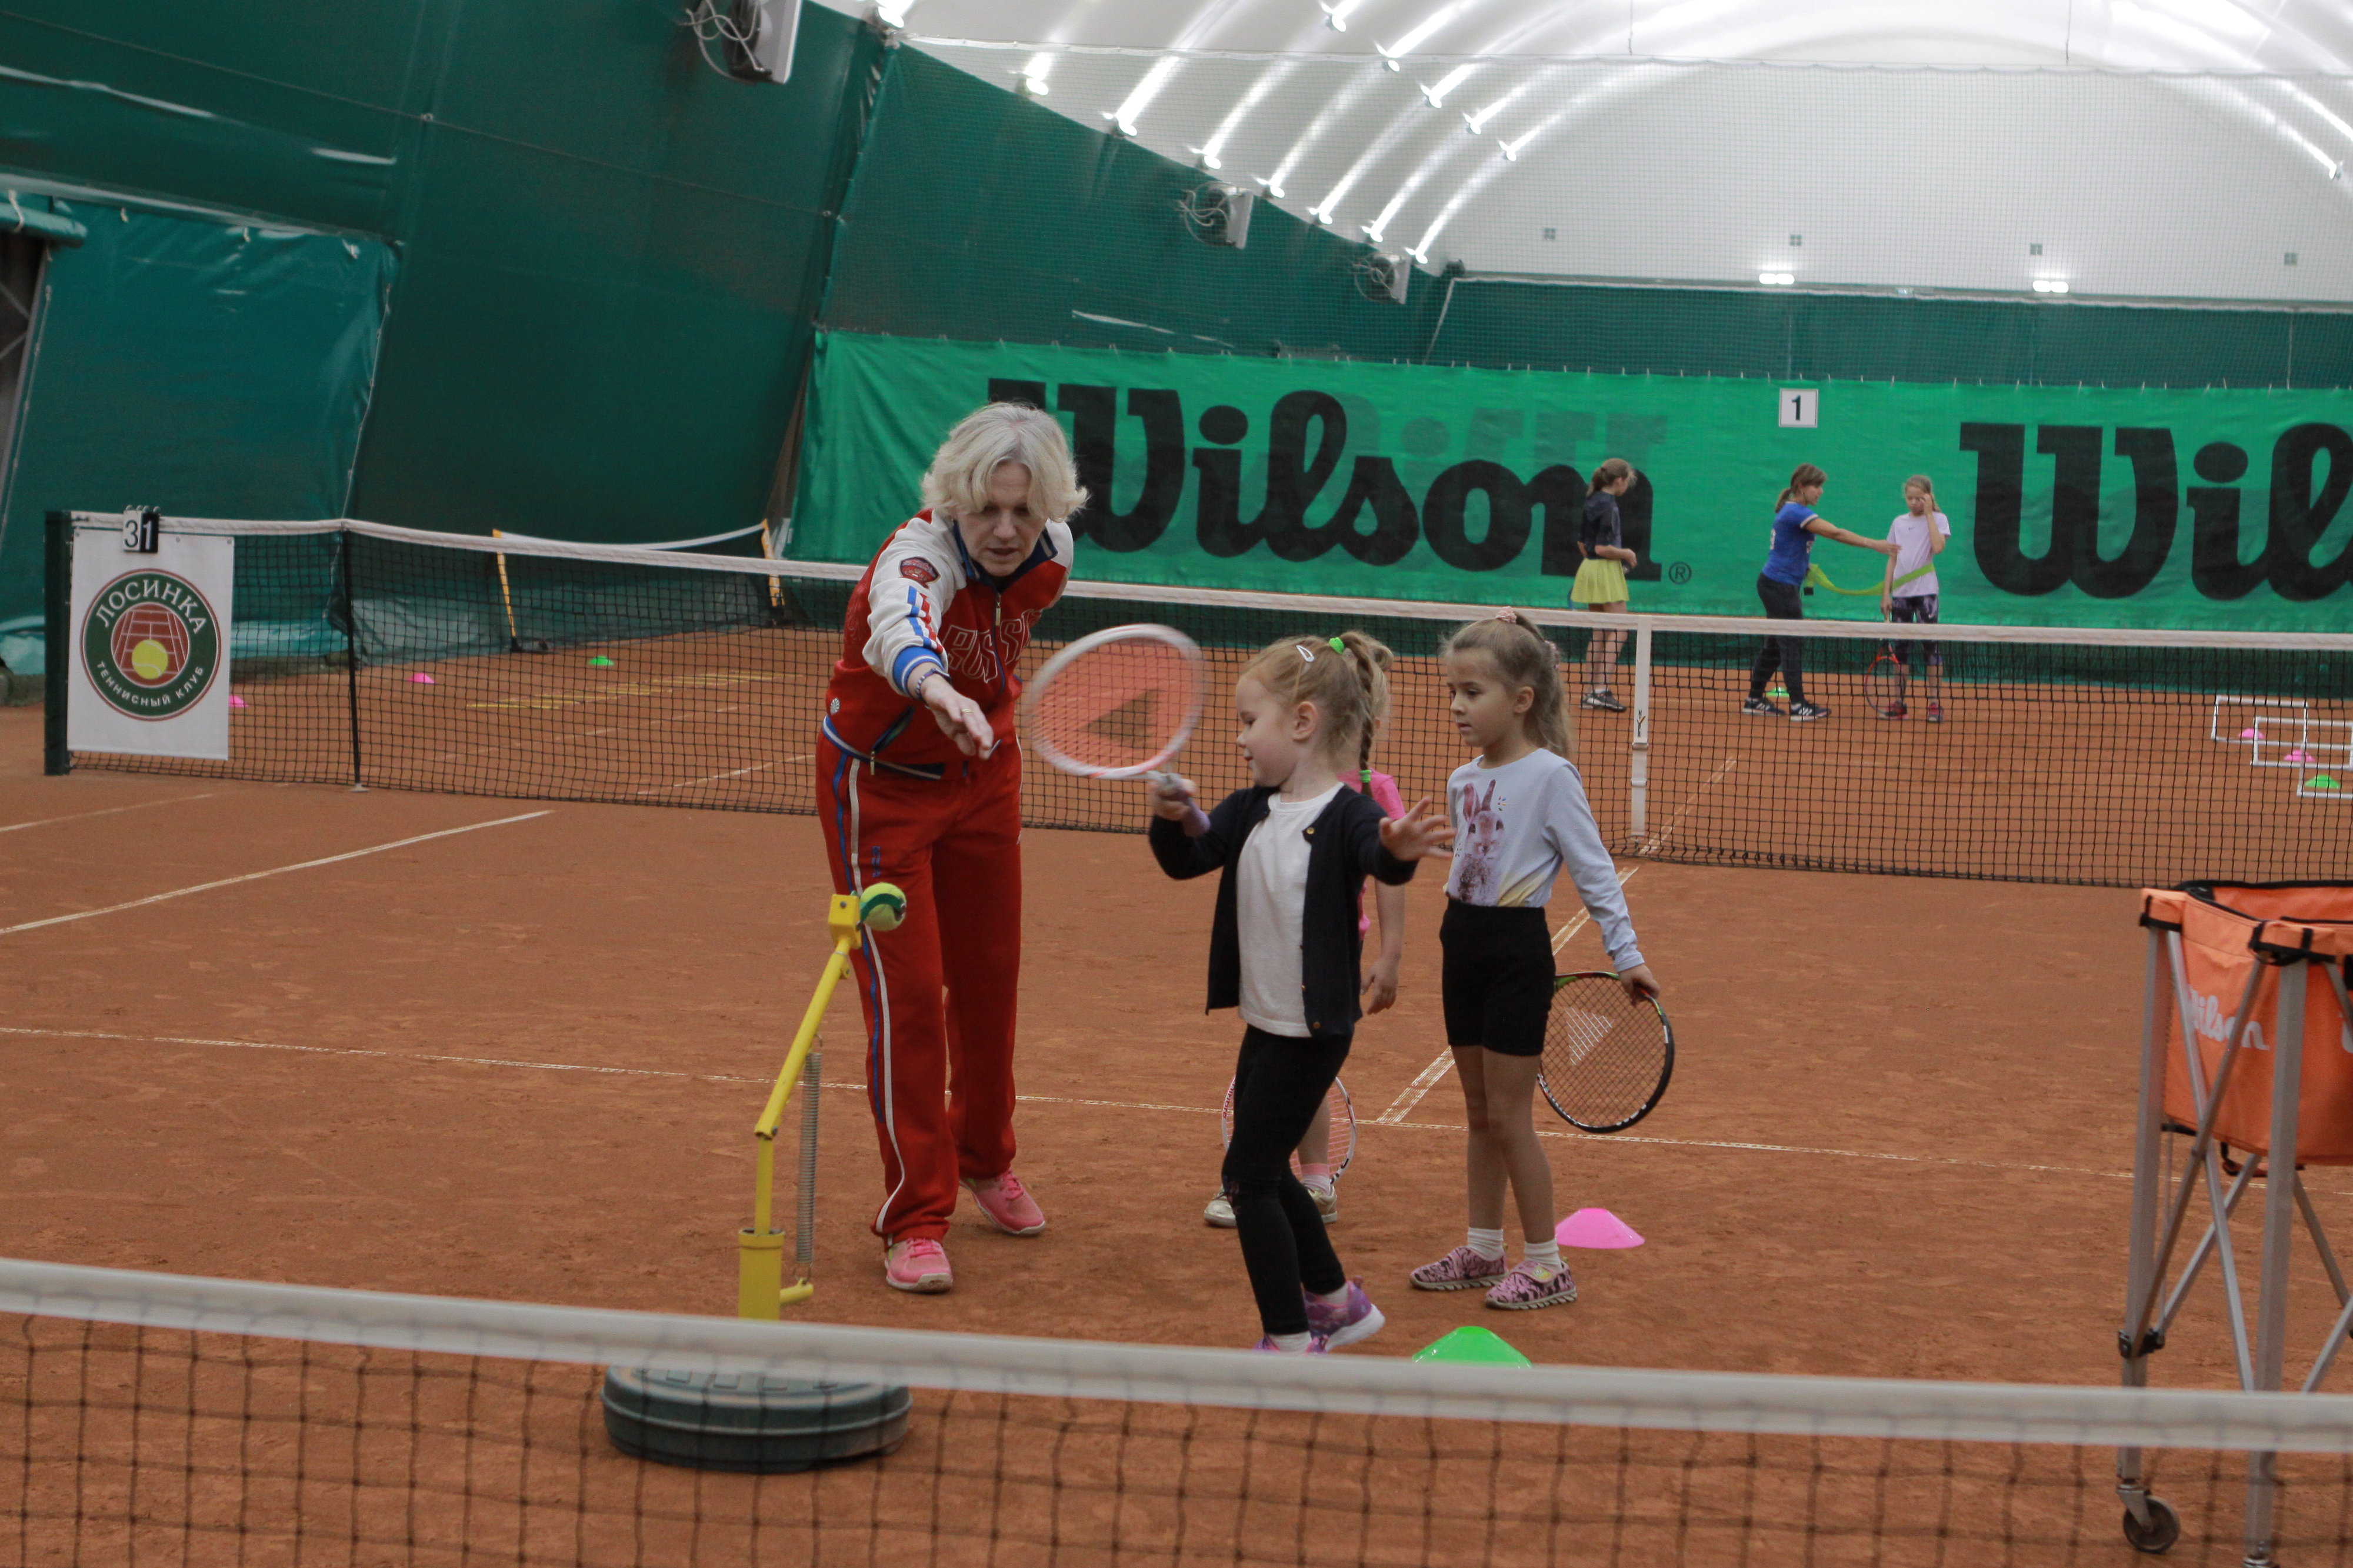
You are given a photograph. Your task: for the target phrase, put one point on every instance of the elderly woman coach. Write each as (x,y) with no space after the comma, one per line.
(919,783)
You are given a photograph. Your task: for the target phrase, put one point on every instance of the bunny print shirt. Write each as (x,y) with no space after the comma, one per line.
(1516,827)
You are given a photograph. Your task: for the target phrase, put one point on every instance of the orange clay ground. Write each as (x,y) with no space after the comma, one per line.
(523,1063)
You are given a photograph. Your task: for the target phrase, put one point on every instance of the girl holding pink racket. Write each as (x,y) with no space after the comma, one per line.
(1292,852)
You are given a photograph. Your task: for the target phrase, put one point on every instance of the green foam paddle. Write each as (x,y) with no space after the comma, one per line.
(1816,578)
(1472,1346)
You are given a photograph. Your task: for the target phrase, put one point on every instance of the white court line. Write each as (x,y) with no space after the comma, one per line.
(1412,1096)
(1651,844)
(711,778)
(109,811)
(1061,1100)
(257,876)
(1405,1102)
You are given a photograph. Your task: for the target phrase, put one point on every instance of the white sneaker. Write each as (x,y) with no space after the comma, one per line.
(1327,1198)
(1220,1212)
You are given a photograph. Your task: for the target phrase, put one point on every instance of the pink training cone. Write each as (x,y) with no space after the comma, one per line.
(2297,756)
(1595,1228)
(2250,734)
(421,678)
(235,702)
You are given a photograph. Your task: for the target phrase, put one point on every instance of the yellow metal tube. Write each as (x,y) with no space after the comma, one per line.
(760,1288)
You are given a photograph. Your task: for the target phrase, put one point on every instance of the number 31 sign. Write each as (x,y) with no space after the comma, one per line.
(1801,408)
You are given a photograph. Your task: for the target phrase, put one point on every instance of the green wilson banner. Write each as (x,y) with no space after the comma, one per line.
(2217,509)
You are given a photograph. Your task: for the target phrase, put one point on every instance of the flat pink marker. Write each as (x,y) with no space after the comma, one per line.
(1598,1229)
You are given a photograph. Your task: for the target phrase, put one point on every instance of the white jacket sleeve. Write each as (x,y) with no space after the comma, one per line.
(914,579)
(1569,822)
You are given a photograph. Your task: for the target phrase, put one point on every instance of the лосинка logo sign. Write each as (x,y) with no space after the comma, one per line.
(151,645)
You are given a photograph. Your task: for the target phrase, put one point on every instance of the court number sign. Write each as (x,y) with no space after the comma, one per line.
(150,672)
(1801,408)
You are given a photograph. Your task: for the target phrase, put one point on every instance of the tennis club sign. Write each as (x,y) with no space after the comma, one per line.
(149,672)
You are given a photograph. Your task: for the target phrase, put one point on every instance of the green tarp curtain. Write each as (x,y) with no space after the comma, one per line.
(2070,506)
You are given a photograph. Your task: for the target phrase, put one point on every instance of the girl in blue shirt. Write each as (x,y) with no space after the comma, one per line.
(1780,585)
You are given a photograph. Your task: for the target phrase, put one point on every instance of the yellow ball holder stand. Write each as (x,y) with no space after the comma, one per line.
(760,1288)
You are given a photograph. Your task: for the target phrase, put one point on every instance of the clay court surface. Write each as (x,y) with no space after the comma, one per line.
(521,1062)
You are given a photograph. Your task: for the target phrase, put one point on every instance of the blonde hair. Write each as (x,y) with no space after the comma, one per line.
(1524,657)
(957,484)
(1345,678)
(1924,484)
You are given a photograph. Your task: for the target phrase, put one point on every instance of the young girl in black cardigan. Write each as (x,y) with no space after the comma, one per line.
(1293,851)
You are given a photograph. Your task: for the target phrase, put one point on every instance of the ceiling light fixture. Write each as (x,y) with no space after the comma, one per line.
(1777,280)
(2050,285)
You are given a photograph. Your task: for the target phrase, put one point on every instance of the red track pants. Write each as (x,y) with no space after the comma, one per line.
(939,992)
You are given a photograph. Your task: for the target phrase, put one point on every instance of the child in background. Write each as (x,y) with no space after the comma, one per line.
(1292,851)
(1315,1171)
(1908,595)
(1601,581)
(1520,817)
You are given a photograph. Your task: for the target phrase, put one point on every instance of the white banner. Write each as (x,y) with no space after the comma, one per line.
(148,670)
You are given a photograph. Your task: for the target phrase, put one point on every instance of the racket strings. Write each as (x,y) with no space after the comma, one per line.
(1121,705)
(1606,1055)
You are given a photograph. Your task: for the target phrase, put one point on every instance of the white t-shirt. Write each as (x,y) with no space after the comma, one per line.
(1271,902)
(1516,827)
(1911,536)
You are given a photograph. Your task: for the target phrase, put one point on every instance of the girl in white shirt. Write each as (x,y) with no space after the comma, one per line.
(1520,817)
(1907,596)
(1292,852)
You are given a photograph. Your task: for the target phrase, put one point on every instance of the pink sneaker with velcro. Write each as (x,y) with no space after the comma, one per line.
(1007,1205)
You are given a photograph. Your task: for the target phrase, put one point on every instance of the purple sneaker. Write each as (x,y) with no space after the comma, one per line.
(1526,1288)
(1316,1345)
(1461,1270)
(1353,1319)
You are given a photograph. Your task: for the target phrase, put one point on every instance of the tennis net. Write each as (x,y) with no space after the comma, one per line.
(366,654)
(160,1418)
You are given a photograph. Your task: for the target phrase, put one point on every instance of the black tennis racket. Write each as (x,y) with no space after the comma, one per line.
(1606,1057)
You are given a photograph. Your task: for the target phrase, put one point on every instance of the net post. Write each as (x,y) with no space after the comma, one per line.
(2279,1238)
(351,654)
(57,632)
(1638,766)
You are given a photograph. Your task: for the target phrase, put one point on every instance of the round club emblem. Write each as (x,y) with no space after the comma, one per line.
(151,645)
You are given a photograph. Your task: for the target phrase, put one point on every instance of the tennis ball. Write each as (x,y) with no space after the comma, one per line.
(149,662)
(881,907)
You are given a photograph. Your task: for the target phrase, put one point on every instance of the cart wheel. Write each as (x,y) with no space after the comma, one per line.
(2163,1529)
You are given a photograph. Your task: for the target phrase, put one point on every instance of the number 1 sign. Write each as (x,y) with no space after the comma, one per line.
(1800,407)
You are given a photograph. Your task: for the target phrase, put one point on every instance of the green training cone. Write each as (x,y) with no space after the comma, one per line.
(600,662)
(2321,781)
(1474,1346)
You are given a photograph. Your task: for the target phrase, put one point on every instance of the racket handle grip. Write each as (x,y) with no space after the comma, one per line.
(1195,821)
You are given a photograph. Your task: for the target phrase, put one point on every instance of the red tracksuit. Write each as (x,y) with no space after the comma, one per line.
(900,804)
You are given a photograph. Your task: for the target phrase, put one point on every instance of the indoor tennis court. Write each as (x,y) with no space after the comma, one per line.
(525,533)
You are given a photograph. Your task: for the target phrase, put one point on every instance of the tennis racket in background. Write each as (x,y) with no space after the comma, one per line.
(1882,684)
(1339,1110)
(1606,1055)
(1115,704)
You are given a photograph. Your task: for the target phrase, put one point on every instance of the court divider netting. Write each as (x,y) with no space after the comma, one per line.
(152,1417)
(395,657)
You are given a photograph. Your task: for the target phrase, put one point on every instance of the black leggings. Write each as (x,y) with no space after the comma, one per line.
(1781,604)
(1279,1088)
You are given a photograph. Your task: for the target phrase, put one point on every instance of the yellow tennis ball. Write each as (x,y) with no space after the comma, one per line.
(881,907)
(148,659)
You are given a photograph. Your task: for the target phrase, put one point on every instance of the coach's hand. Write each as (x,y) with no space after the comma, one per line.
(958,716)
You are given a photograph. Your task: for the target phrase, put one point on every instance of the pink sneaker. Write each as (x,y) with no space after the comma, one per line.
(918,1264)
(1354,1319)
(1316,1345)
(1523,1289)
(1007,1205)
(1461,1270)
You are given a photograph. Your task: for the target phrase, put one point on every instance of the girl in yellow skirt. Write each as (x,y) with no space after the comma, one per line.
(1601,580)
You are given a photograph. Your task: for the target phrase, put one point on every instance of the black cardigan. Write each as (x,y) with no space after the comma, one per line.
(1346,846)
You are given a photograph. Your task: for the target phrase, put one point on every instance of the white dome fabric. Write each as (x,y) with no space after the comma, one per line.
(2175,149)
